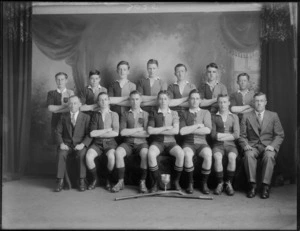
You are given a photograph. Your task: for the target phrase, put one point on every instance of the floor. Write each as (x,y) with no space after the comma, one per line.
(30,203)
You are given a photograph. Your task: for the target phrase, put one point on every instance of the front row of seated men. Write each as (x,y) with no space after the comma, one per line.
(260,134)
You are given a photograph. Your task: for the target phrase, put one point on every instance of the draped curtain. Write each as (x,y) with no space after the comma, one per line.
(279,78)
(17,56)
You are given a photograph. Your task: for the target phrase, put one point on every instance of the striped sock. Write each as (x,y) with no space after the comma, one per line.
(204,175)
(154,172)
(190,173)
(178,171)
(230,175)
(219,176)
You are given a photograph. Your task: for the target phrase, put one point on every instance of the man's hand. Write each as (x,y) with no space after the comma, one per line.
(269,148)
(169,127)
(64,147)
(247,148)
(79,147)
(94,133)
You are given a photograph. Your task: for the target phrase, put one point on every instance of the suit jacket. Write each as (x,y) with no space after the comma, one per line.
(65,133)
(271,130)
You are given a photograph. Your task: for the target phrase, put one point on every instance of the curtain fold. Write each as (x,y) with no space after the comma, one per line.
(59,38)
(17,58)
(279,79)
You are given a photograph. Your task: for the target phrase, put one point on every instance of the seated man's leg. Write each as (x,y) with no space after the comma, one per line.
(231,166)
(143,152)
(189,167)
(61,168)
(110,166)
(206,154)
(91,154)
(82,168)
(218,166)
(153,152)
(178,153)
(268,163)
(120,153)
(250,163)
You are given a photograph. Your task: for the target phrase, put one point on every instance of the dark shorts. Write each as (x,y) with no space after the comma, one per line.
(104,147)
(133,148)
(225,149)
(197,148)
(167,147)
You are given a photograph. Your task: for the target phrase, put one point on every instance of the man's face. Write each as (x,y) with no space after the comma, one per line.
(74,104)
(223,103)
(152,70)
(260,103)
(163,101)
(135,101)
(103,101)
(94,80)
(194,100)
(212,74)
(123,71)
(243,82)
(61,81)
(180,73)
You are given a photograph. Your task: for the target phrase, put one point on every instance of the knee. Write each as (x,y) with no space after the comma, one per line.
(231,157)
(207,155)
(188,156)
(151,154)
(218,157)
(120,153)
(62,154)
(111,156)
(269,155)
(249,154)
(90,155)
(144,154)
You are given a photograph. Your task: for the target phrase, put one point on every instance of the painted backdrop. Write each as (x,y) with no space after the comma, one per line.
(76,44)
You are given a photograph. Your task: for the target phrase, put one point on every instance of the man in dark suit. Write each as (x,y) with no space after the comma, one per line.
(72,135)
(261,136)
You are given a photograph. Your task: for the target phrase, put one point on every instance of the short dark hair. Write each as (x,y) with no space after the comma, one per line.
(123,63)
(213,65)
(222,96)
(135,92)
(152,61)
(164,92)
(259,94)
(102,93)
(61,73)
(94,72)
(180,65)
(75,96)
(193,92)
(243,74)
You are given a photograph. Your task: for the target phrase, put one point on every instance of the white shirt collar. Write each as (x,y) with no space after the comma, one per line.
(229,113)
(63,91)
(107,111)
(156,78)
(246,92)
(99,86)
(186,82)
(197,110)
(217,82)
(262,113)
(160,111)
(75,114)
(130,110)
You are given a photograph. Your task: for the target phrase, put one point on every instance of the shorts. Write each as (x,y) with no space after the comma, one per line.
(197,148)
(167,147)
(225,149)
(133,148)
(104,147)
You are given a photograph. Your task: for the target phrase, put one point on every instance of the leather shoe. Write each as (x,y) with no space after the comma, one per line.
(143,188)
(108,185)
(252,192)
(82,186)
(119,186)
(60,185)
(229,189)
(204,188)
(177,185)
(190,188)
(154,188)
(265,192)
(93,184)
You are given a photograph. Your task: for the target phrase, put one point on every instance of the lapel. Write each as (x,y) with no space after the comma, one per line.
(265,121)
(68,123)
(254,123)
(78,122)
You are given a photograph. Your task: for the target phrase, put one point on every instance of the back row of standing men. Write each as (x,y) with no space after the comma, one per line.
(211,116)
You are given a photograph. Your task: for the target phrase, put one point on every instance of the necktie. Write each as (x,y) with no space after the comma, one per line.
(73,119)
(260,119)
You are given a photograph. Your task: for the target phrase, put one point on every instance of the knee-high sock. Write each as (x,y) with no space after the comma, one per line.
(219,176)
(154,173)
(94,173)
(190,173)
(230,175)
(143,174)
(204,175)
(178,171)
(121,173)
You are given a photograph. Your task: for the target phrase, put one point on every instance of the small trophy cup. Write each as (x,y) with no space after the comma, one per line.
(165,179)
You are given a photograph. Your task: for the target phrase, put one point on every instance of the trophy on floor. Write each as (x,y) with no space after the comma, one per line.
(165,179)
